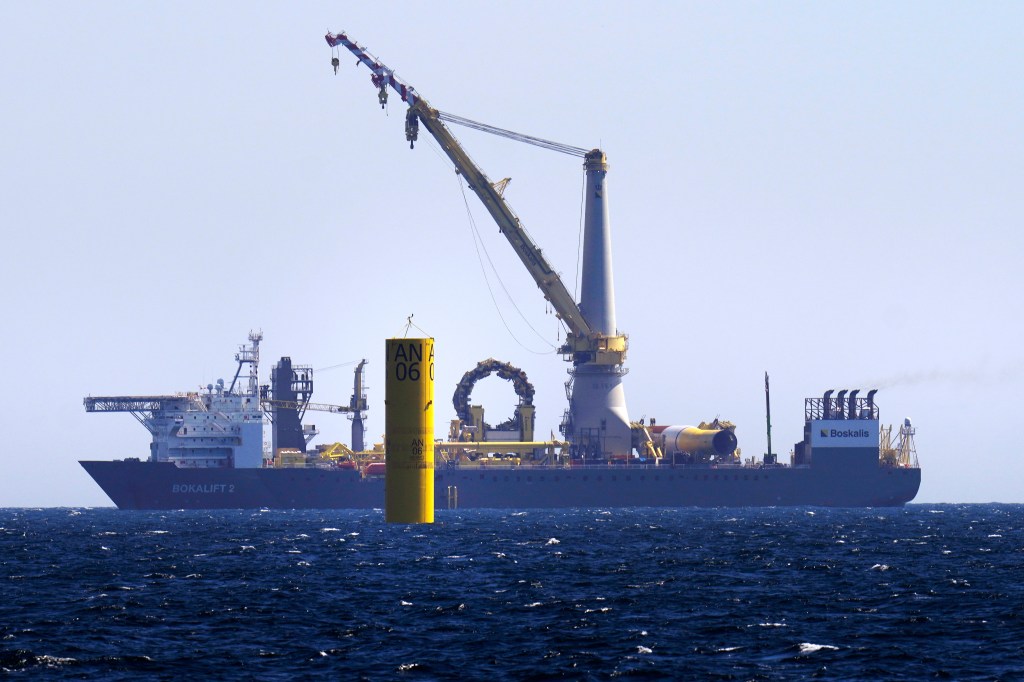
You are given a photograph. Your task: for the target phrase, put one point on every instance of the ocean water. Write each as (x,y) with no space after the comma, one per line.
(923,592)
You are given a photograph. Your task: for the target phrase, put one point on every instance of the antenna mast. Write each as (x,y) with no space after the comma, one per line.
(769,457)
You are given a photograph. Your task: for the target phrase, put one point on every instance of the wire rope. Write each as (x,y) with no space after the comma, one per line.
(512,135)
(343,364)
(579,240)
(479,245)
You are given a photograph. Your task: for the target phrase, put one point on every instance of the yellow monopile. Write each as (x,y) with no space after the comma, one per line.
(409,431)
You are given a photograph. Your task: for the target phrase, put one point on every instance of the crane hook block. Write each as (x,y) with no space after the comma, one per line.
(412,127)
(335,62)
(382,95)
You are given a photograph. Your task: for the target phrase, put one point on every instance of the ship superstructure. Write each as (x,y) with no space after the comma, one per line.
(843,431)
(221,427)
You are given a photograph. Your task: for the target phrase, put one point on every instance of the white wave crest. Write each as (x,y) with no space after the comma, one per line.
(809,648)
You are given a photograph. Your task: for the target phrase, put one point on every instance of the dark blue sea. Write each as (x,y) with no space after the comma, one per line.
(923,592)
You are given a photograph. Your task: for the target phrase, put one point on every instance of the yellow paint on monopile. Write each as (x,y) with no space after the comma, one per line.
(409,431)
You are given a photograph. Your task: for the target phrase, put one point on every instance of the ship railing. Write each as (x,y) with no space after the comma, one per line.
(633,466)
(834,407)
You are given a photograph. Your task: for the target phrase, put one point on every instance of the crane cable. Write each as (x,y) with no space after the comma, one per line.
(343,364)
(579,239)
(478,245)
(519,137)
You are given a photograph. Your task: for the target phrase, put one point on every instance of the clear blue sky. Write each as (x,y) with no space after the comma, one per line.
(827,191)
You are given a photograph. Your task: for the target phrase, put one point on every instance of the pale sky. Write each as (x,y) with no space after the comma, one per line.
(830,192)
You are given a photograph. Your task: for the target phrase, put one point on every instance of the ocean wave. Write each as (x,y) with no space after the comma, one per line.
(645,593)
(809,648)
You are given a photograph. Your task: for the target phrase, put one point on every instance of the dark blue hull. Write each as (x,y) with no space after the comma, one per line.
(145,485)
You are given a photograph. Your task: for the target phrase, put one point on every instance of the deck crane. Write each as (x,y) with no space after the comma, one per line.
(356,406)
(597,419)
(584,344)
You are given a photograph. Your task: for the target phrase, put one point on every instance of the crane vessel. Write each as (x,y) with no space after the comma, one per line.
(846,458)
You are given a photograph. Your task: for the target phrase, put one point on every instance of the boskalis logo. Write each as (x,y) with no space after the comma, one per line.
(845,433)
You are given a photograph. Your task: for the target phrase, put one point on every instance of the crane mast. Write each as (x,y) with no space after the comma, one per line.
(597,418)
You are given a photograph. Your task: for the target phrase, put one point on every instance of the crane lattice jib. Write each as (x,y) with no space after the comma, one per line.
(583,340)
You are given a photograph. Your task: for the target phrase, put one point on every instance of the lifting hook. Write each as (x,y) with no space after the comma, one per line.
(335,63)
(382,88)
(412,127)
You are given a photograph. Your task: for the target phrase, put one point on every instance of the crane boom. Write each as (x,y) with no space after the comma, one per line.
(382,75)
(583,344)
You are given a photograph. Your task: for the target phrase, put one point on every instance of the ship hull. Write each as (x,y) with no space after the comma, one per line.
(134,484)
